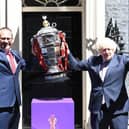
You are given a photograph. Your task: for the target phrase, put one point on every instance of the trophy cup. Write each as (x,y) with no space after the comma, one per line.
(50,48)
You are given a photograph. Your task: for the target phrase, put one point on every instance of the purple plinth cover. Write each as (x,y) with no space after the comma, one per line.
(52,114)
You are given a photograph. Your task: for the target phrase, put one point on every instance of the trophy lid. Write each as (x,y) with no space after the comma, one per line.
(46,27)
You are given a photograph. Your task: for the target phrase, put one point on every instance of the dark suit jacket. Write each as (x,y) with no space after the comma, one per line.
(112,88)
(9,83)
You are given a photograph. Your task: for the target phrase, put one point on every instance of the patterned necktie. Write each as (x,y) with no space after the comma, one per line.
(11,62)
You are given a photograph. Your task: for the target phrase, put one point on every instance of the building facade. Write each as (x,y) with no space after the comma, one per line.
(94,16)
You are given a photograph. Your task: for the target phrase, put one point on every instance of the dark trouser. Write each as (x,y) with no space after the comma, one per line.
(9,117)
(106,119)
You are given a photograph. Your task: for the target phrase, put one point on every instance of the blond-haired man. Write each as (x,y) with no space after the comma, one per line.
(109,102)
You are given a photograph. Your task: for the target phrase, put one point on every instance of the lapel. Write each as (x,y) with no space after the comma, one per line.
(15,55)
(20,61)
(4,61)
(113,63)
(99,62)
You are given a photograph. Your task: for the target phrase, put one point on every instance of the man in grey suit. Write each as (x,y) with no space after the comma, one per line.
(109,102)
(9,83)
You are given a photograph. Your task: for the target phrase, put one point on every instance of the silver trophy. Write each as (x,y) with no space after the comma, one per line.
(50,48)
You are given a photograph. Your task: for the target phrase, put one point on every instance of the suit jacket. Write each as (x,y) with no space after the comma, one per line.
(112,88)
(9,82)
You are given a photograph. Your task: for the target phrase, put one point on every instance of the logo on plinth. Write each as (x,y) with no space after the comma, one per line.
(52,121)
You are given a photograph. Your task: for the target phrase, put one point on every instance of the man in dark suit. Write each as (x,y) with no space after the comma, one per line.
(109,102)
(9,83)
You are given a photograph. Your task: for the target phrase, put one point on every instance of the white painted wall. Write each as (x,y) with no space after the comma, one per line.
(95,27)
(2,13)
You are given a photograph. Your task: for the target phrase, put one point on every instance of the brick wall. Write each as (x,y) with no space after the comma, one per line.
(119,10)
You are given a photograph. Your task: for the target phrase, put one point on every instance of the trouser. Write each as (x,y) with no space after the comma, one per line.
(106,119)
(9,117)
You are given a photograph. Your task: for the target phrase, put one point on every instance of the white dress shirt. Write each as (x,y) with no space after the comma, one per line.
(102,74)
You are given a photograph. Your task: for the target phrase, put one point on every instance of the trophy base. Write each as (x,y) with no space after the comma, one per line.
(54,76)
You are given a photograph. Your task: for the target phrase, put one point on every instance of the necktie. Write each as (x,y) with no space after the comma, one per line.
(11,62)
